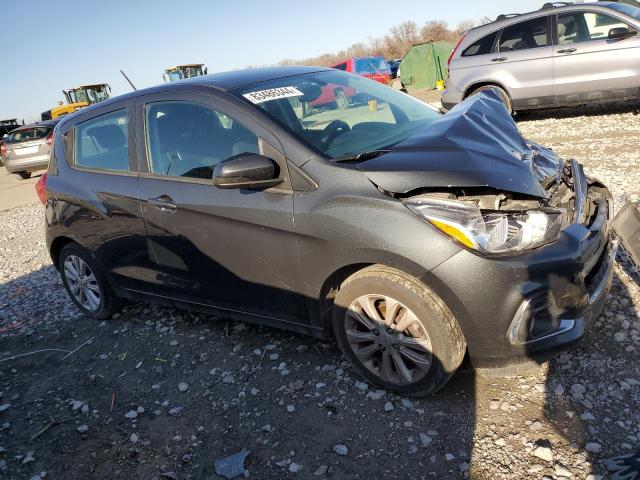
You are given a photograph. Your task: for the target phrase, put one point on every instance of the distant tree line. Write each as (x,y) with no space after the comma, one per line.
(394,44)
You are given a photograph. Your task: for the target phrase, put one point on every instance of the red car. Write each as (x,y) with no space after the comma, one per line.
(374,68)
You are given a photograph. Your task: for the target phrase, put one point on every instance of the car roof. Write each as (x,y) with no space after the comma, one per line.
(45,123)
(186,65)
(224,81)
(547,9)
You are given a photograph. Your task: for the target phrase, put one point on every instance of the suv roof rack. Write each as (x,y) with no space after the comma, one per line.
(504,16)
(550,5)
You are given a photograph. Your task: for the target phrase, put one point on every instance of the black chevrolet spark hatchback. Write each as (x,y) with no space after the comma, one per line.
(412,237)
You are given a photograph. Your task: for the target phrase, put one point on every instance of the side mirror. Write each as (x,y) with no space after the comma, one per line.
(246,170)
(620,33)
(5,136)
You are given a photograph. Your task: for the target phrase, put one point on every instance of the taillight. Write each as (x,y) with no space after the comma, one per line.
(50,139)
(41,188)
(3,150)
(453,52)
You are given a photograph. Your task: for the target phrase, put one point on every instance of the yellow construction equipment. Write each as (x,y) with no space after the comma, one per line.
(187,70)
(77,98)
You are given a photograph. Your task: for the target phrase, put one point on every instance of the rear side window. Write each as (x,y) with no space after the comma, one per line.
(187,139)
(27,134)
(481,47)
(102,142)
(342,66)
(525,35)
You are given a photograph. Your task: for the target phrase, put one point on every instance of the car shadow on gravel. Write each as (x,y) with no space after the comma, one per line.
(591,398)
(116,407)
(580,111)
(159,391)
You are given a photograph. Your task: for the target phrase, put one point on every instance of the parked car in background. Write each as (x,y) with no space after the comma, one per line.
(27,149)
(564,55)
(410,236)
(5,127)
(374,68)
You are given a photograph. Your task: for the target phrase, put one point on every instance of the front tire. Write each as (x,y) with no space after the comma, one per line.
(342,102)
(503,94)
(25,175)
(396,332)
(86,283)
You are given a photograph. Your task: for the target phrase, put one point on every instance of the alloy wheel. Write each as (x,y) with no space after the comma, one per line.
(82,283)
(388,338)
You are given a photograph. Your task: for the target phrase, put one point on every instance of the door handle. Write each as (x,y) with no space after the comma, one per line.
(568,50)
(163,202)
(499,59)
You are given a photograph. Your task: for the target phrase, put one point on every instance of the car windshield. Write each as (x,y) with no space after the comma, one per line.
(97,94)
(26,134)
(340,114)
(626,9)
(371,65)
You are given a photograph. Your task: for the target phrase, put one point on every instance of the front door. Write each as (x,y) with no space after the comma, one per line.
(230,248)
(588,66)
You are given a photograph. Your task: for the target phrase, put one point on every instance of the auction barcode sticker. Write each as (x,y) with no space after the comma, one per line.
(262,96)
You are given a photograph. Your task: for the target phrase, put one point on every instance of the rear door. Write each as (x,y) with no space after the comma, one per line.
(524,62)
(97,205)
(228,248)
(590,67)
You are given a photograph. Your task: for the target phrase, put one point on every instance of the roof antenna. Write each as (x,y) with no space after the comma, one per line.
(127,79)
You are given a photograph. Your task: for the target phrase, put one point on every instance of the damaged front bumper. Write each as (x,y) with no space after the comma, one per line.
(529,306)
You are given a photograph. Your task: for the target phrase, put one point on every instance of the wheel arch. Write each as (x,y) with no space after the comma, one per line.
(56,246)
(332,284)
(485,83)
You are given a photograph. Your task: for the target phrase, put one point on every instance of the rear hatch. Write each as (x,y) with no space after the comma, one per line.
(27,142)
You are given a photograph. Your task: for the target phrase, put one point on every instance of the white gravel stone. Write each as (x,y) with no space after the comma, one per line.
(425,440)
(543,453)
(593,447)
(340,449)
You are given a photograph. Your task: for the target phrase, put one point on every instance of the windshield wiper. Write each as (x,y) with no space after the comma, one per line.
(359,157)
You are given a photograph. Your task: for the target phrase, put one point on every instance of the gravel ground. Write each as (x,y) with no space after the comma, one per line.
(161,393)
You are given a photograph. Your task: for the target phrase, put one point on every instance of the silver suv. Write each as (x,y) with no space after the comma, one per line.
(562,55)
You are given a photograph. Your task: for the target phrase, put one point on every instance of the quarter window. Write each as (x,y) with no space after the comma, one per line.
(102,142)
(585,26)
(525,35)
(187,139)
(482,46)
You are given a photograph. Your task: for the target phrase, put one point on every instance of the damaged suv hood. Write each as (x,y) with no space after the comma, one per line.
(476,144)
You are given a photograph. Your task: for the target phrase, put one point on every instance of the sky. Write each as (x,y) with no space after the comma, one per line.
(49,45)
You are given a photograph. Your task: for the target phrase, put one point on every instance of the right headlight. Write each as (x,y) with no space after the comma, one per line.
(489,231)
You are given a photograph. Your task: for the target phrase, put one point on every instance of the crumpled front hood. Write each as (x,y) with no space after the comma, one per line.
(476,144)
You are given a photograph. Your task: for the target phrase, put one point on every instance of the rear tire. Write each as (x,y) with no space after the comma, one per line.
(505,96)
(25,175)
(397,333)
(86,283)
